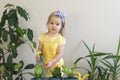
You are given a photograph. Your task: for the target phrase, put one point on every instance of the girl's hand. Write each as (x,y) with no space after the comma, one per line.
(48,65)
(37,58)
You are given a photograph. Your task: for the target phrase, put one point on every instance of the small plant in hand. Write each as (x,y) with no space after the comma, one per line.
(38,71)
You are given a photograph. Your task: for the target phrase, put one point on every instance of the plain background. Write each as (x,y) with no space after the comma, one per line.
(94,21)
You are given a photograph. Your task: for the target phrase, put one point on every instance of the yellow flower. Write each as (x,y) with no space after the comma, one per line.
(83,78)
(38,53)
(79,76)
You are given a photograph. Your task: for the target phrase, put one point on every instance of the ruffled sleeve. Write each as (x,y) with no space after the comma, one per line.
(41,36)
(62,40)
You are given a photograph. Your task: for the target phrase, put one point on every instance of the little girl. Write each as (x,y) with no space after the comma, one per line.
(51,43)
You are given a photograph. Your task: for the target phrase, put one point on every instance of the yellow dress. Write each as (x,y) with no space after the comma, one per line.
(50,46)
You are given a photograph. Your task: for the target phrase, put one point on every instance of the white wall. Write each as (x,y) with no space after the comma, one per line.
(94,21)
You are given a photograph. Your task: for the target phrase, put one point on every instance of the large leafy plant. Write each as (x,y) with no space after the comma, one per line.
(93,60)
(12,35)
(112,62)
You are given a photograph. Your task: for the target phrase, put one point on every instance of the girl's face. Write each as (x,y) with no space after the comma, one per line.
(54,24)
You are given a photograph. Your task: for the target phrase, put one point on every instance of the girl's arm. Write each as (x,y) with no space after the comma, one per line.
(40,47)
(59,54)
(60,50)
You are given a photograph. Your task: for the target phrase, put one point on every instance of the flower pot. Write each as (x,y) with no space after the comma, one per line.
(38,79)
(54,78)
(70,78)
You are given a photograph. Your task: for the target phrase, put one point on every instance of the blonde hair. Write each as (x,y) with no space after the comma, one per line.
(61,16)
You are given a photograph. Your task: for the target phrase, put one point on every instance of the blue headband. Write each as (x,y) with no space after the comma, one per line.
(60,14)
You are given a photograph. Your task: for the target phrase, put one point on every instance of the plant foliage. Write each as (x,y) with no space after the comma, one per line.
(56,72)
(12,35)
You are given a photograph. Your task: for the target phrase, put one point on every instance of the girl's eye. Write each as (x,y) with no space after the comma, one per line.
(51,23)
(57,24)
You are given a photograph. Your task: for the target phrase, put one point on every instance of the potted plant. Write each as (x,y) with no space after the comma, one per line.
(38,72)
(93,60)
(72,74)
(12,35)
(111,62)
(56,73)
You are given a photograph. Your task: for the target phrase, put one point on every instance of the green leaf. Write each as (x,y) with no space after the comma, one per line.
(38,71)
(20,31)
(5,36)
(56,72)
(118,49)
(68,71)
(2,68)
(17,44)
(13,19)
(10,61)
(29,66)
(31,47)
(78,60)
(22,63)
(22,13)
(0,41)
(0,32)
(87,47)
(10,77)
(30,34)
(1,53)
(107,63)
(4,17)
(11,12)
(30,73)
(9,5)
(90,64)
(14,51)
(17,66)
(74,67)
(41,57)
(109,56)
(98,54)
(34,44)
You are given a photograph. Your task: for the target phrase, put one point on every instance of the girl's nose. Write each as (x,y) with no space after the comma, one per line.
(54,25)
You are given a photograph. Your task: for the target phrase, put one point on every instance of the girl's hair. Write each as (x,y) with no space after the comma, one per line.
(61,15)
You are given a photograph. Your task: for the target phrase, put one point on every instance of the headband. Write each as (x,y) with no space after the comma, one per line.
(61,15)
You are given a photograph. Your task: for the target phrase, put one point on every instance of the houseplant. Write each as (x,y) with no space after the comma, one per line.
(93,60)
(112,63)
(12,36)
(72,74)
(39,71)
(56,73)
